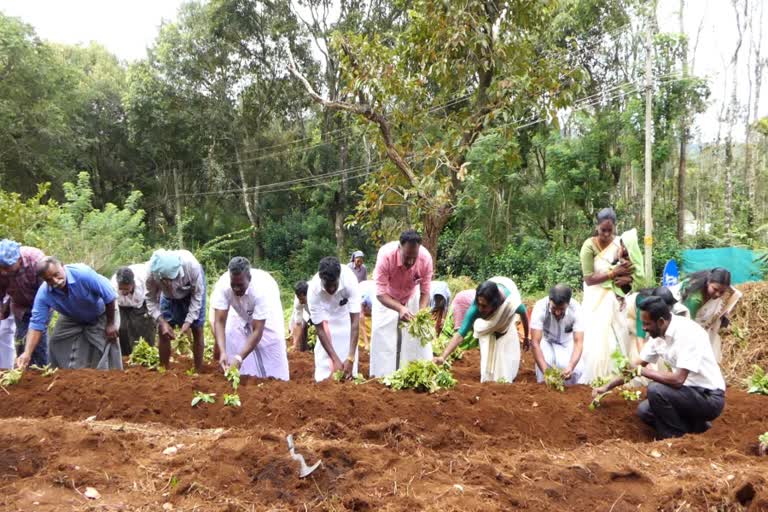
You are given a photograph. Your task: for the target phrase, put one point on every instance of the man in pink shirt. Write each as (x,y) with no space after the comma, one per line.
(403,275)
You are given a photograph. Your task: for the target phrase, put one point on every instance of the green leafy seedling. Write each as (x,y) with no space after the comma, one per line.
(10,377)
(338,375)
(46,370)
(232,400)
(553,378)
(233,377)
(145,355)
(421,375)
(630,395)
(757,383)
(422,327)
(191,372)
(600,382)
(596,401)
(199,397)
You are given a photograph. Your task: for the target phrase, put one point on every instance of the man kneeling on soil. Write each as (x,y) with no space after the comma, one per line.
(248,321)
(334,306)
(691,396)
(86,332)
(557,334)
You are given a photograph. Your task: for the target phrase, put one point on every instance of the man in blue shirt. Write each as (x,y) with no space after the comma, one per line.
(86,332)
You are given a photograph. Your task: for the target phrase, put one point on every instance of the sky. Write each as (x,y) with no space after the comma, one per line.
(127,28)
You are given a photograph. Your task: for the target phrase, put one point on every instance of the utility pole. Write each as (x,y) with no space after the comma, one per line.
(651,4)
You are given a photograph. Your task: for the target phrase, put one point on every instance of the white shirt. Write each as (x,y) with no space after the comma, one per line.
(559,332)
(252,305)
(686,345)
(300,314)
(346,300)
(137,298)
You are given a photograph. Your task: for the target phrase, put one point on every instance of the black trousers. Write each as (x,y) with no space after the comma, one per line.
(676,412)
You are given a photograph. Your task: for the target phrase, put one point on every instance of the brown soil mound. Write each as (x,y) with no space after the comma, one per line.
(744,341)
(476,447)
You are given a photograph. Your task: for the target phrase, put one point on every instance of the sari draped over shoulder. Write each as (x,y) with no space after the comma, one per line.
(606,323)
(711,313)
(498,338)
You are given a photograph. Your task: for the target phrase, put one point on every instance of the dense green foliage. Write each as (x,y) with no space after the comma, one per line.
(515,122)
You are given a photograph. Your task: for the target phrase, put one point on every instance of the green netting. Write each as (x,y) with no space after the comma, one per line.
(742,263)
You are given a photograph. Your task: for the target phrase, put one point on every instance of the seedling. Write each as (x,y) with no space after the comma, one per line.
(338,375)
(422,327)
(553,378)
(145,355)
(758,381)
(599,382)
(191,372)
(233,377)
(762,447)
(10,377)
(232,400)
(630,395)
(46,370)
(422,376)
(623,366)
(181,344)
(596,401)
(207,398)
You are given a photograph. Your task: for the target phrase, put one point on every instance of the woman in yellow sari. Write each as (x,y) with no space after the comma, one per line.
(606,268)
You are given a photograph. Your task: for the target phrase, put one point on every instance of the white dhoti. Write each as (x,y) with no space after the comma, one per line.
(268,359)
(341,329)
(558,355)
(385,357)
(7,348)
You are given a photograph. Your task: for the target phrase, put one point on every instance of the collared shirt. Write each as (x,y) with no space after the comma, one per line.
(686,345)
(23,287)
(361,273)
(324,306)
(139,295)
(252,305)
(299,315)
(84,302)
(393,279)
(460,305)
(559,332)
(190,281)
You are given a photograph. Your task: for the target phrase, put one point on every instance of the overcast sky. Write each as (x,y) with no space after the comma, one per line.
(127,28)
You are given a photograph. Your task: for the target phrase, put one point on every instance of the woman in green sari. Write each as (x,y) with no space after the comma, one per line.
(709,297)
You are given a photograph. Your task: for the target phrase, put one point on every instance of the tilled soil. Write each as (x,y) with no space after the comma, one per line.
(476,447)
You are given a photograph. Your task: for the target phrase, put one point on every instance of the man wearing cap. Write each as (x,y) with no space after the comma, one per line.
(334,306)
(358,267)
(557,334)
(19,280)
(85,335)
(248,321)
(135,322)
(176,297)
(403,276)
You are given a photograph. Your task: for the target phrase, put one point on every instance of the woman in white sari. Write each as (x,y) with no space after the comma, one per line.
(606,268)
(493,316)
(710,298)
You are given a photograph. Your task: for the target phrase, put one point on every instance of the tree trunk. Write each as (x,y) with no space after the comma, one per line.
(179,220)
(752,165)
(434,223)
(341,198)
(681,168)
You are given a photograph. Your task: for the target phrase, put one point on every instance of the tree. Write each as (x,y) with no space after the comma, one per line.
(454,71)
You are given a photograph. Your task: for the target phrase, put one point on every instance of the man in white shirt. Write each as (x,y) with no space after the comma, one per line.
(557,334)
(135,321)
(248,321)
(689,397)
(334,306)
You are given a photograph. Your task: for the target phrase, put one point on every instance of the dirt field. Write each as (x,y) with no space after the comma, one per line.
(477,447)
